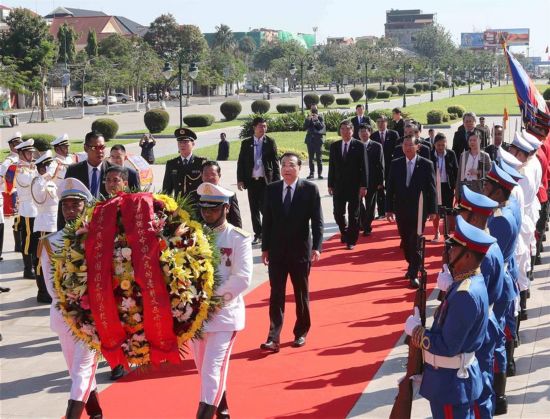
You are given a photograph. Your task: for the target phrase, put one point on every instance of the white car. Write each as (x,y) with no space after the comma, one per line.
(274,89)
(112,99)
(88,100)
(123,97)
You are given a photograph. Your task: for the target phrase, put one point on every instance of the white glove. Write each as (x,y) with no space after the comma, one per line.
(444,279)
(412,322)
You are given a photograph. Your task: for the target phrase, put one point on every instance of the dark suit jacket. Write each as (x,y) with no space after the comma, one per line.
(390,141)
(451,166)
(245,163)
(398,126)
(223,151)
(345,177)
(180,179)
(460,143)
(356,123)
(315,130)
(375,157)
(403,200)
(288,237)
(492,150)
(80,171)
(423,150)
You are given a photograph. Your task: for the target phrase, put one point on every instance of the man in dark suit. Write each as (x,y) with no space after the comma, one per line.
(462,134)
(498,141)
(257,167)
(358,119)
(290,206)
(183,173)
(423,149)
(409,176)
(388,138)
(375,157)
(211,173)
(315,134)
(223,148)
(347,182)
(398,123)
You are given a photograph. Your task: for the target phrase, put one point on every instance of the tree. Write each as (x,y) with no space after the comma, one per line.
(91,44)
(105,74)
(434,42)
(28,42)
(247,46)
(66,40)
(224,39)
(11,77)
(163,36)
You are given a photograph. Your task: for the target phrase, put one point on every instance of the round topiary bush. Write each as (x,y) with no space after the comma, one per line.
(546,94)
(434,87)
(453,116)
(41,141)
(287,107)
(108,127)
(203,120)
(392,89)
(343,101)
(411,90)
(401,89)
(445,83)
(425,86)
(156,120)
(356,94)
(260,106)
(371,93)
(327,99)
(446,117)
(438,83)
(230,110)
(418,87)
(434,116)
(311,99)
(383,94)
(457,109)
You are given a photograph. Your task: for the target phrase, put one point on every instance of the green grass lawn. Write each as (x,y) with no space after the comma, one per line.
(285,140)
(169,130)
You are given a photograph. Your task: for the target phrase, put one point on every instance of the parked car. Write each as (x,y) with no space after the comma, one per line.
(153,96)
(272,89)
(112,99)
(123,97)
(88,100)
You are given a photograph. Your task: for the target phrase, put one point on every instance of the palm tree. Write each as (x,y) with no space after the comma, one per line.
(224,39)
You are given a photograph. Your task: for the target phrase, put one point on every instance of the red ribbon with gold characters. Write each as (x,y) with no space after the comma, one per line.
(99,258)
(137,213)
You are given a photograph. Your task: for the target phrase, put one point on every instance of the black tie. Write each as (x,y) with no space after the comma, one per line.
(287,200)
(185,162)
(345,151)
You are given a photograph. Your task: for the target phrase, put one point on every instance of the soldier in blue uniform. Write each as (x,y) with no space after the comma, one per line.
(502,225)
(452,379)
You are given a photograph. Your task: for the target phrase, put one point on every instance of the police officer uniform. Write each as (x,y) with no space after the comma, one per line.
(235,272)
(183,174)
(44,195)
(9,191)
(58,168)
(81,361)
(452,379)
(24,175)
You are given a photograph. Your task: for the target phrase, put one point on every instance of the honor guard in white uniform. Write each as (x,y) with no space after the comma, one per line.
(8,189)
(235,269)
(24,175)
(44,194)
(81,361)
(62,159)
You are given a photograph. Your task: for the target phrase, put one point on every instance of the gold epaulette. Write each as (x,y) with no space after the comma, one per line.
(242,232)
(44,242)
(465,285)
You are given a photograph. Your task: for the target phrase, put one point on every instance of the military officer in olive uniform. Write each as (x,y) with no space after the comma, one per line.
(183,173)
(452,379)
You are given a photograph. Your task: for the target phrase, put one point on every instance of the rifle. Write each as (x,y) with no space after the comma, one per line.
(402,405)
(443,213)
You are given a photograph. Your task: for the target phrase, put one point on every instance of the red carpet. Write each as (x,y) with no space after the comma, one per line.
(359,302)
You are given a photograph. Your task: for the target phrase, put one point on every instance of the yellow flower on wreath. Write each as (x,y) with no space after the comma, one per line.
(170,203)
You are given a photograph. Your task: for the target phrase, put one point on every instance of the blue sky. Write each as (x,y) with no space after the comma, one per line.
(332,17)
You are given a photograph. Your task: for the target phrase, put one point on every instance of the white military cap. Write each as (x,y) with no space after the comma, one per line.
(73,188)
(213,195)
(509,158)
(44,158)
(531,139)
(61,140)
(25,145)
(521,143)
(16,136)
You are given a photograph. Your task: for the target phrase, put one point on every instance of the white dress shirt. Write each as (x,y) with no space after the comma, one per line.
(441,167)
(258,169)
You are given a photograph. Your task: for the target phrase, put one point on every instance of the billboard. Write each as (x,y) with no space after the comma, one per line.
(471,40)
(513,37)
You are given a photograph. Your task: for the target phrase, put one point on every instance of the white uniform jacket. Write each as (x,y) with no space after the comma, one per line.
(44,194)
(49,244)
(23,178)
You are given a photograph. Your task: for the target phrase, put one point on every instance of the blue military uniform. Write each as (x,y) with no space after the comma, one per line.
(452,379)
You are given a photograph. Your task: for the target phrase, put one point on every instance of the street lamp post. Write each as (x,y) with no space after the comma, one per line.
(432,81)
(359,68)
(481,69)
(193,71)
(469,79)
(292,71)
(451,70)
(405,68)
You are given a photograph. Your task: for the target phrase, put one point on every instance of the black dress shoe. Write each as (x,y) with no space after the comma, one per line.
(350,246)
(310,177)
(4,289)
(270,346)
(45,298)
(366,233)
(342,239)
(407,275)
(320,177)
(116,373)
(299,342)
(413,282)
(257,240)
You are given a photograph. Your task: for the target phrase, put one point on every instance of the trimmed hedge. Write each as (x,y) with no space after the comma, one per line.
(375,114)
(546,94)
(41,141)
(393,89)
(287,107)
(435,116)
(425,86)
(446,117)
(260,106)
(445,83)
(156,120)
(197,120)
(418,87)
(453,116)
(371,93)
(230,110)
(401,89)
(383,94)
(434,87)
(327,143)
(311,99)
(108,127)
(356,94)
(411,90)
(302,154)
(327,99)
(438,83)
(457,109)
(285,122)
(343,101)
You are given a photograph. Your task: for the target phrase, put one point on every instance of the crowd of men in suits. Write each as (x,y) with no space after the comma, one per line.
(394,171)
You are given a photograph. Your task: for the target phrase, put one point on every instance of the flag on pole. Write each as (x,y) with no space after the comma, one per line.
(505,118)
(531,102)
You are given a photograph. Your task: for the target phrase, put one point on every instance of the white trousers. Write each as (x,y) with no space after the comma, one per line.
(212,360)
(82,364)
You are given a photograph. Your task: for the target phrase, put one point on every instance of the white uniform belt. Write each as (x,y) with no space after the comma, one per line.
(505,266)
(460,362)
(491,308)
